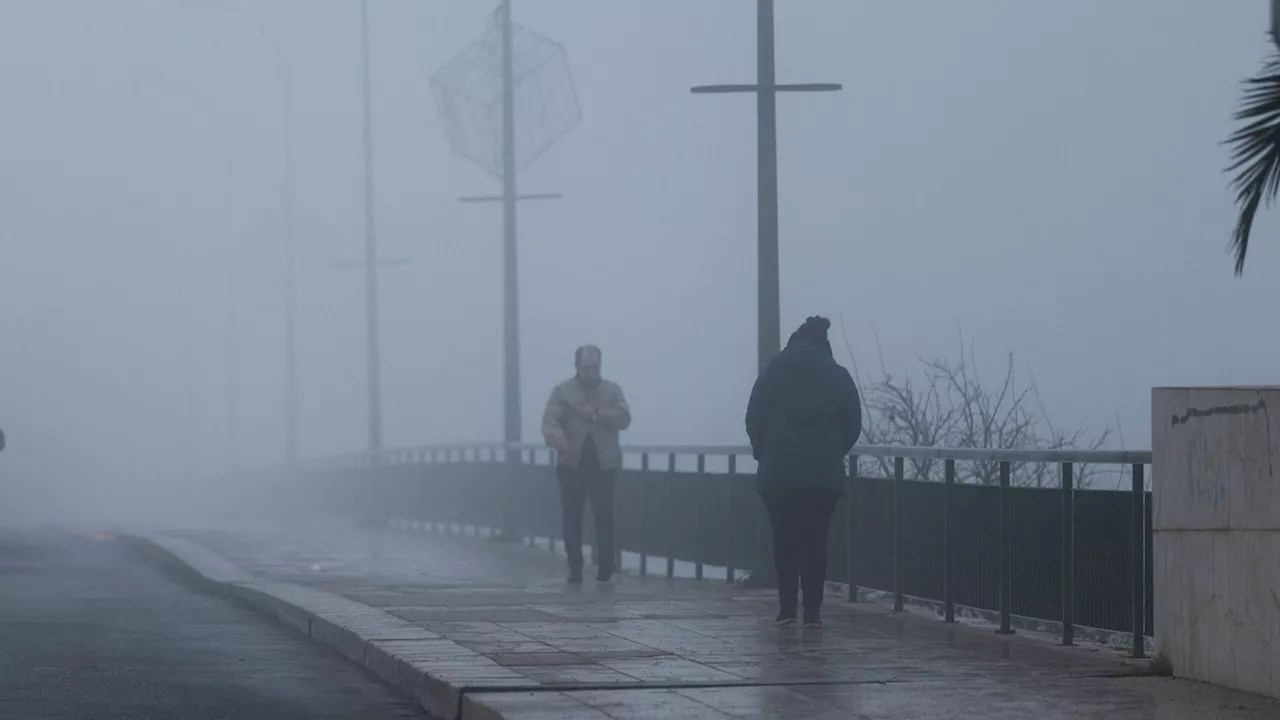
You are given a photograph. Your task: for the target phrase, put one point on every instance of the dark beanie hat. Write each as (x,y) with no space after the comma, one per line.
(814,330)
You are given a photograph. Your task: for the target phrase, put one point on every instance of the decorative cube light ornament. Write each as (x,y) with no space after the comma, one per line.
(468,97)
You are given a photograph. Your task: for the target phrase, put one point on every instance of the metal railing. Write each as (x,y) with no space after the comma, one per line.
(421,454)
(1098,539)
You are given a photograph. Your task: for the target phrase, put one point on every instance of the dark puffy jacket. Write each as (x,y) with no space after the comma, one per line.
(803,418)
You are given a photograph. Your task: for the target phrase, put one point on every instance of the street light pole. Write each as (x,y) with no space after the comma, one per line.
(1275,23)
(290,282)
(511,335)
(370,249)
(290,199)
(769,324)
(233,350)
(548,110)
(510,276)
(291,345)
(768,293)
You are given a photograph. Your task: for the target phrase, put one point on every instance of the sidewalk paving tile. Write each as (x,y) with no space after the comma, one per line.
(501,616)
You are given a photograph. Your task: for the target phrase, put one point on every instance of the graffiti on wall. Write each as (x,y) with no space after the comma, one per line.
(1216,458)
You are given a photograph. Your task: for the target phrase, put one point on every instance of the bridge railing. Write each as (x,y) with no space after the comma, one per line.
(1060,553)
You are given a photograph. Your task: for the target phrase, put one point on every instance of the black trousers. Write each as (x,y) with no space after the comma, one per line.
(800,520)
(577,486)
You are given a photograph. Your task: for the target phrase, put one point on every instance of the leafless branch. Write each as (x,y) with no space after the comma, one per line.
(948,403)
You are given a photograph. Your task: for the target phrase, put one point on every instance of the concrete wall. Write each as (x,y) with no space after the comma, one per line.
(1216,520)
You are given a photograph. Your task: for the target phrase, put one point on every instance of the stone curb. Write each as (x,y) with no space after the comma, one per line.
(435,672)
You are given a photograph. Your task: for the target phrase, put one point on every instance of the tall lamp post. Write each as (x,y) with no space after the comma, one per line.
(227,153)
(282,68)
(768,295)
(466,96)
(1275,22)
(373,345)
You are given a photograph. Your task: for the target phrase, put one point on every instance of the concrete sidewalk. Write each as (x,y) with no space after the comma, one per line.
(475,630)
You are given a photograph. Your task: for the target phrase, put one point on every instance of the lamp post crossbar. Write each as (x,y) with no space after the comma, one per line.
(500,198)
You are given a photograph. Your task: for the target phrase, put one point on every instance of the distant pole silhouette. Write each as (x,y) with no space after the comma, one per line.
(291,287)
(283,68)
(373,350)
(510,276)
(232,379)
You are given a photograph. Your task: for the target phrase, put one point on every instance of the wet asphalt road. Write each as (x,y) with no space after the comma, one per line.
(90,629)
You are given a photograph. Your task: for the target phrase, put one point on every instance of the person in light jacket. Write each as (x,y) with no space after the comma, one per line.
(803,418)
(582,421)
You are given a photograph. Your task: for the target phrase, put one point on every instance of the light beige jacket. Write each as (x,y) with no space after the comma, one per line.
(573,412)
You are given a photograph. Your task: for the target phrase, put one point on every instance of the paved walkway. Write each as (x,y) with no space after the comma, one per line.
(499,622)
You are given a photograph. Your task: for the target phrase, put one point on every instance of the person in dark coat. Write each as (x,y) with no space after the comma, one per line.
(803,418)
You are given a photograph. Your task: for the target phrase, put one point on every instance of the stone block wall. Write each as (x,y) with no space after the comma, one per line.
(1216,524)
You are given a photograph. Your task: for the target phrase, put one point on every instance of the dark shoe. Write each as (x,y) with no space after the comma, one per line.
(575,576)
(605,574)
(785,618)
(812,621)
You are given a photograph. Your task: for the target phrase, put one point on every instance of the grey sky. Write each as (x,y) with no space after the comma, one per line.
(1044,174)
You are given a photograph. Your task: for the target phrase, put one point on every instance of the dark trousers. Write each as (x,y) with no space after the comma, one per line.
(800,520)
(577,486)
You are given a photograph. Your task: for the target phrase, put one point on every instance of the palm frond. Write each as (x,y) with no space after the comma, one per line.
(1255,152)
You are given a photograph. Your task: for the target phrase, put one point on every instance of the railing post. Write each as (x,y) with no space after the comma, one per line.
(898,478)
(533,489)
(851,511)
(948,541)
(554,460)
(1006,553)
(644,509)
(1149,558)
(1068,554)
(697,516)
(613,511)
(669,526)
(1139,575)
(729,528)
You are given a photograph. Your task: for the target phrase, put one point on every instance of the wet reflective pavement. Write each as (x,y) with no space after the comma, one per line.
(88,629)
(649,647)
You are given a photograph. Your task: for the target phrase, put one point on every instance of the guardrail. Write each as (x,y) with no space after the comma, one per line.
(431,453)
(944,540)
